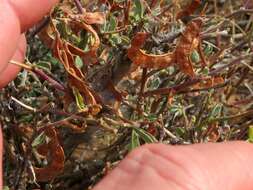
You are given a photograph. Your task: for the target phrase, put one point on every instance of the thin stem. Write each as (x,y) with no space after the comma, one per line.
(79,6)
(52,81)
(40,26)
(25,66)
(23,105)
(41,74)
(143,84)
(237,116)
(166,91)
(233,62)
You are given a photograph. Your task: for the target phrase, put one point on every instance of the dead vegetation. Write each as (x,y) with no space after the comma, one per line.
(104,77)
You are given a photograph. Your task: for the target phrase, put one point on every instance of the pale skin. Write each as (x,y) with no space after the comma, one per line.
(226,166)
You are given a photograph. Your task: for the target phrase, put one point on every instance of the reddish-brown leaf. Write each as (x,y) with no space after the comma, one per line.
(55,158)
(89,57)
(181,56)
(209,82)
(48,36)
(144,60)
(188,41)
(93,17)
(76,77)
(188,10)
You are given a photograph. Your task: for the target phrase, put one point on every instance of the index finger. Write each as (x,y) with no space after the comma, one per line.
(15,17)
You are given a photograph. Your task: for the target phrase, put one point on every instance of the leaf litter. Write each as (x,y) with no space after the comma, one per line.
(101,78)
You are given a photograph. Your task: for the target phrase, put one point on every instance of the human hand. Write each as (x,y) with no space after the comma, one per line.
(226,166)
(15,17)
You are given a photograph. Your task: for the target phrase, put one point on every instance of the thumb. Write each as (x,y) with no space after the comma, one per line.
(226,166)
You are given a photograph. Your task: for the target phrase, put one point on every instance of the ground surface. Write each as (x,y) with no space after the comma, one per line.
(88,94)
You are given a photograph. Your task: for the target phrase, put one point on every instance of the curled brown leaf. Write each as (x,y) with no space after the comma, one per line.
(89,56)
(55,157)
(144,60)
(76,77)
(188,41)
(48,36)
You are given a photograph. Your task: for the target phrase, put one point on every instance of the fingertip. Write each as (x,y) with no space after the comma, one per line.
(8,75)
(17,16)
(11,71)
(1,157)
(31,11)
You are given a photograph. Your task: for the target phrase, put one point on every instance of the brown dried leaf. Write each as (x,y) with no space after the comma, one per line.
(48,36)
(55,159)
(209,82)
(74,127)
(213,133)
(187,43)
(144,60)
(181,56)
(76,77)
(91,55)
(189,9)
(43,149)
(93,17)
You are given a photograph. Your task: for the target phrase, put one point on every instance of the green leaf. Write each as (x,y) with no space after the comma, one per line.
(63,29)
(250,134)
(145,136)
(180,131)
(41,139)
(115,39)
(79,99)
(216,111)
(205,71)
(6,188)
(78,62)
(125,39)
(139,8)
(44,65)
(195,58)
(152,117)
(135,141)
(154,84)
(177,110)
(26,118)
(138,11)
(208,50)
(110,25)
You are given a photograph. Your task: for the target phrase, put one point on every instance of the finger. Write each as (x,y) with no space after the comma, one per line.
(1,158)
(226,166)
(12,70)
(16,16)
(30,11)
